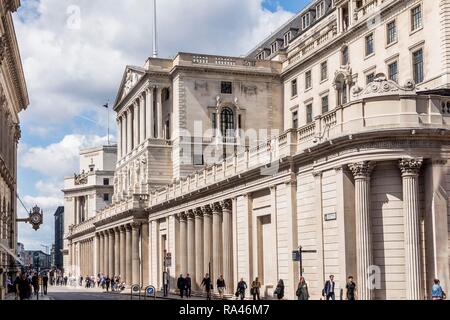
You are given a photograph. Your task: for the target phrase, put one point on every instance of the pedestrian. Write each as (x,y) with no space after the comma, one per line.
(241,288)
(166,283)
(35,283)
(23,287)
(181,285)
(221,286)
(188,285)
(351,289)
(437,293)
(302,290)
(328,290)
(113,284)
(255,290)
(81,281)
(65,281)
(107,283)
(45,283)
(206,282)
(279,291)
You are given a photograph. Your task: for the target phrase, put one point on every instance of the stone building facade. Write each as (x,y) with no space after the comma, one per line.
(359,172)
(13,99)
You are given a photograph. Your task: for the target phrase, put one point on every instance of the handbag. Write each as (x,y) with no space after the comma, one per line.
(252,291)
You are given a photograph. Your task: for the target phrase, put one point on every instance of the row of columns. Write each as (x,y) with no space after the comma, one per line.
(143,119)
(206,242)
(410,169)
(81,208)
(85,257)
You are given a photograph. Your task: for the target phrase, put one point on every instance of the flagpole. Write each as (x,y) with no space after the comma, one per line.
(108,126)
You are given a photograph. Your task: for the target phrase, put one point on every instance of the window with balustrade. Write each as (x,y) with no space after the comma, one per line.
(309,113)
(295,120)
(445,108)
(325,104)
(227,122)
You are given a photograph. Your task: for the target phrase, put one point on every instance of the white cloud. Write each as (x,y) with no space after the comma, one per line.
(72,71)
(59,159)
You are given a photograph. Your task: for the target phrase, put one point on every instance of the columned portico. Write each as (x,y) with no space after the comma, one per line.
(362,172)
(410,169)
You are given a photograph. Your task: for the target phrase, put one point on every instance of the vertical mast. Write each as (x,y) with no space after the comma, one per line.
(155,32)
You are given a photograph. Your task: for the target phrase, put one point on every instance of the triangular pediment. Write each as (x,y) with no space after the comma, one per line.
(130,79)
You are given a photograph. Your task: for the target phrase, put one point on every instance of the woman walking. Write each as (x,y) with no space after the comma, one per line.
(279,291)
(302,290)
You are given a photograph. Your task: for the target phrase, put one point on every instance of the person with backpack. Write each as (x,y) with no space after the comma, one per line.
(241,288)
(302,290)
(279,291)
(437,293)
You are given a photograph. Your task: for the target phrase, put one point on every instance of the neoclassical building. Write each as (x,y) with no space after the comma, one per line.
(332,135)
(13,99)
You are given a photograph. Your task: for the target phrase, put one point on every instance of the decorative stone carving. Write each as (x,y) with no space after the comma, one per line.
(249,89)
(198,212)
(362,170)
(207,210)
(217,208)
(81,179)
(381,86)
(190,214)
(3,49)
(410,166)
(182,216)
(227,204)
(201,85)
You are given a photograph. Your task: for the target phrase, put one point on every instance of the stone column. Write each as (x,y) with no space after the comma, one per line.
(111,253)
(136,125)
(69,258)
(183,243)
(103,253)
(145,255)
(129,130)
(410,169)
(123,253)
(124,135)
(128,267)
(207,234)
(191,245)
(227,242)
(142,117)
(116,252)
(199,263)
(119,138)
(361,172)
(217,242)
(159,110)
(149,113)
(136,261)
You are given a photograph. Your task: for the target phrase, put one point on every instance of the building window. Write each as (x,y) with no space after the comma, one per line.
(418,66)
(274,47)
(320,10)
(287,38)
(308,80)
(393,71)
(324,71)
(325,107)
(106,182)
(295,119)
(345,57)
(370,77)
(369,45)
(309,113)
(294,88)
(214,121)
(106,197)
(416,18)
(226,87)
(306,20)
(199,160)
(227,122)
(261,56)
(391,30)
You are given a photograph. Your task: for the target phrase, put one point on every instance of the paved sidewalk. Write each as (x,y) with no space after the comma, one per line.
(12,297)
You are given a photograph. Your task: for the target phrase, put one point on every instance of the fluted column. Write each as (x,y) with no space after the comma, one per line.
(142,119)
(183,243)
(136,125)
(410,169)
(207,234)
(128,268)
(129,130)
(116,252)
(136,229)
(105,252)
(159,111)
(361,172)
(111,253)
(199,247)
(123,253)
(69,258)
(119,137)
(124,135)
(217,241)
(227,241)
(149,113)
(191,245)
(145,249)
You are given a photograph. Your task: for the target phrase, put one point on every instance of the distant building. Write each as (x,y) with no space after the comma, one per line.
(36,258)
(53,256)
(59,236)
(20,250)
(86,193)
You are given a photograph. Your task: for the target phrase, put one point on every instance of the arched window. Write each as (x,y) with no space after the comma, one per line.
(227,122)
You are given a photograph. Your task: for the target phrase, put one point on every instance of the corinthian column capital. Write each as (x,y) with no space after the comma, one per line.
(217,208)
(410,166)
(207,210)
(362,170)
(198,213)
(226,204)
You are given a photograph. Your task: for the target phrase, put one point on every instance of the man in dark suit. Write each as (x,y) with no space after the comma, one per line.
(181,285)
(328,290)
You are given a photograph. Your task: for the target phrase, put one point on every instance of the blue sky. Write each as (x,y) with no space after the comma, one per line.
(74,54)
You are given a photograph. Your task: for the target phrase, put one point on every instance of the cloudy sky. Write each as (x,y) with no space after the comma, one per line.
(74,53)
